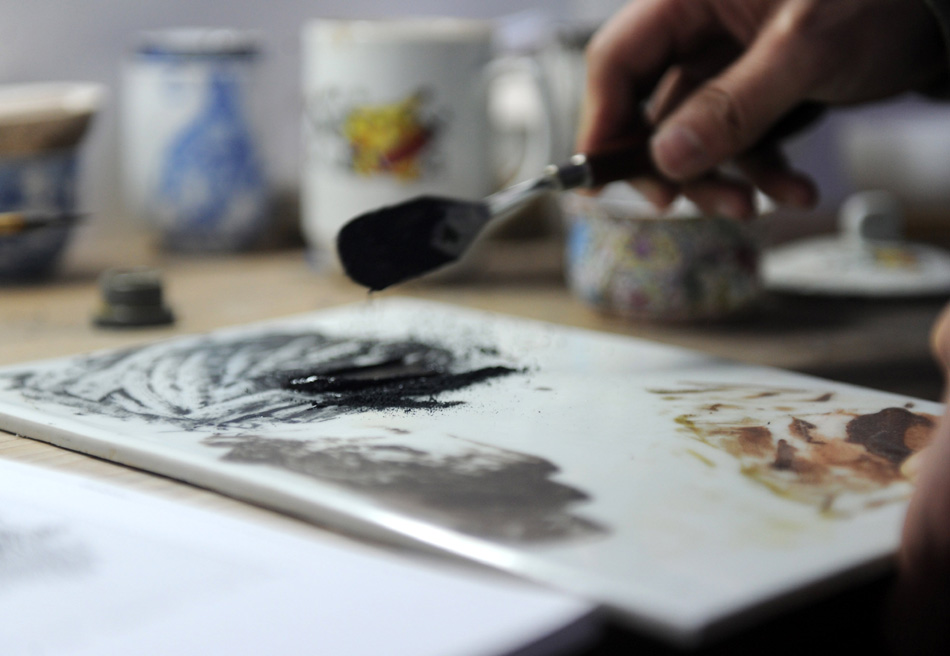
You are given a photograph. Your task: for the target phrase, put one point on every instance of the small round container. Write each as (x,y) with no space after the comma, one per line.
(625,258)
(41,128)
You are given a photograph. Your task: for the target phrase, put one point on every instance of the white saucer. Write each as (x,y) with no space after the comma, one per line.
(842,267)
(868,257)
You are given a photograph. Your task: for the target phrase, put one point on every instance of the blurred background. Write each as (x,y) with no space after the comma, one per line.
(902,145)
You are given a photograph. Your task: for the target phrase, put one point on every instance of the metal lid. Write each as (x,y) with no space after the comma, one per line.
(132,298)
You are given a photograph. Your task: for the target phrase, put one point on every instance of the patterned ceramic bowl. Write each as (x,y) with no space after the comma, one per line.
(41,127)
(626,259)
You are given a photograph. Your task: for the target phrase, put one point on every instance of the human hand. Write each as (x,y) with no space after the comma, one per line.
(920,615)
(714,77)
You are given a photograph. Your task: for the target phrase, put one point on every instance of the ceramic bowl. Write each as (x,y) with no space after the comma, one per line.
(625,258)
(41,129)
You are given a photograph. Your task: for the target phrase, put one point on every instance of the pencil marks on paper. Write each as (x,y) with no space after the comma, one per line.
(28,553)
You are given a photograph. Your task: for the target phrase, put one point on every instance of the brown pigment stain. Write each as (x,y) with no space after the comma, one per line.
(837,452)
(803,429)
(703,459)
(822,461)
(784,455)
(886,433)
(754,440)
(698,390)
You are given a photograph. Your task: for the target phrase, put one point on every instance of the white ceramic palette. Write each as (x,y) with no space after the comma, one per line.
(689,494)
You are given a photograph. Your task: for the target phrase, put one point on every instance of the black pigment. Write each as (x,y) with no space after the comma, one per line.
(409,391)
(259,380)
(242,389)
(394,244)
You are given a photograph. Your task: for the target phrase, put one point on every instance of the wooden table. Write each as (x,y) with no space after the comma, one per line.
(882,344)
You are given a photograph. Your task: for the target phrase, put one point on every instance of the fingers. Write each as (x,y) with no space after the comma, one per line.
(717,195)
(767,169)
(626,58)
(661,193)
(922,597)
(731,112)
(712,102)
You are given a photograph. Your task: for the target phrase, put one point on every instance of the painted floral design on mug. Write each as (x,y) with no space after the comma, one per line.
(391,138)
(644,266)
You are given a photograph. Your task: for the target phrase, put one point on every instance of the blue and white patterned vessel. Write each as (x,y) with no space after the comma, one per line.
(45,183)
(42,127)
(194,162)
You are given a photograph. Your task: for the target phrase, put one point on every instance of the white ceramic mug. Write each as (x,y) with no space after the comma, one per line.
(395,109)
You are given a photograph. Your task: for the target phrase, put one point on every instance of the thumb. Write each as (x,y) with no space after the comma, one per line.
(731,112)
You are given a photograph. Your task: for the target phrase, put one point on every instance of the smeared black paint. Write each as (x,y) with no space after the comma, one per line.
(245,387)
(354,389)
(259,380)
(473,488)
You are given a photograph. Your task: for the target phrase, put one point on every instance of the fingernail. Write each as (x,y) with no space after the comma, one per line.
(679,152)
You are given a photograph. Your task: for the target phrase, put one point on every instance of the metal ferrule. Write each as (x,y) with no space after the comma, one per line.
(574,174)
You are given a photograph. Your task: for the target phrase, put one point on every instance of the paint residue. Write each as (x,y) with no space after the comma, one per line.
(241,381)
(473,488)
(241,389)
(839,460)
(395,390)
(890,433)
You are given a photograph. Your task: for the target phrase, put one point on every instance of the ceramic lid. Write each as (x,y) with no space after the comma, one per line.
(867,257)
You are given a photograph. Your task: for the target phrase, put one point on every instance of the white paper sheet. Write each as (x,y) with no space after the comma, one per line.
(96,570)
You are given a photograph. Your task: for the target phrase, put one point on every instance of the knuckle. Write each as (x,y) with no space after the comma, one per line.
(801,36)
(800,18)
(728,116)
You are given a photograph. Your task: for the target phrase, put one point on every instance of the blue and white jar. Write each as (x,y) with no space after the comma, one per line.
(193,158)
(42,126)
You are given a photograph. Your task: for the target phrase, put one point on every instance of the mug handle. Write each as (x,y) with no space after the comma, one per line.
(538,148)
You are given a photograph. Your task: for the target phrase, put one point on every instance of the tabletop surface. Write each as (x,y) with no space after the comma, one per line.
(879,344)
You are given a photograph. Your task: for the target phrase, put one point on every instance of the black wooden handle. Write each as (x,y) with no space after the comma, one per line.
(621,162)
